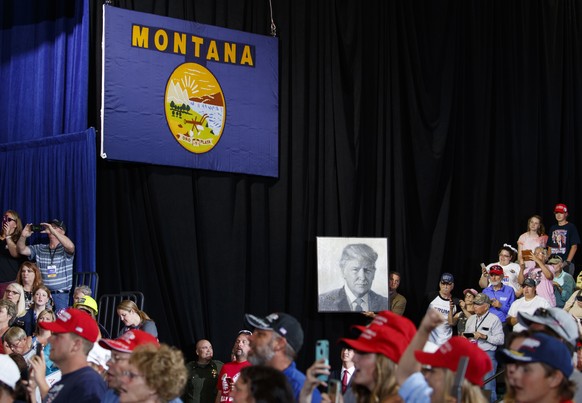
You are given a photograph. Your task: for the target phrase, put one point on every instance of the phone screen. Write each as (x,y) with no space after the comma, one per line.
(322,351)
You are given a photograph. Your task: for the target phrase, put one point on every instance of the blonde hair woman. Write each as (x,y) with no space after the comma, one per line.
(134,318)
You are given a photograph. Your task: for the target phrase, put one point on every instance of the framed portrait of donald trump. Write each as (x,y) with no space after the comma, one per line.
(352,274)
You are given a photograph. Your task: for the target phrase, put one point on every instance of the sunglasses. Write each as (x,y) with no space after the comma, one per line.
(446,283)
(247,332)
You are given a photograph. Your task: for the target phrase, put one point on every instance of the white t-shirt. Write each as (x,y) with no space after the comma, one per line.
(443,332)
(523,306)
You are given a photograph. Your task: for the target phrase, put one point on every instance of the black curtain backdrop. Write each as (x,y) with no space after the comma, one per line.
(442,125)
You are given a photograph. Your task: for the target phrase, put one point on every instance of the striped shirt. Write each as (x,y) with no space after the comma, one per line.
(62,277)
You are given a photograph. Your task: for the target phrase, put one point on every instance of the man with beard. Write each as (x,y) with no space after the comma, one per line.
(231,370)
(203,375)
(275,342)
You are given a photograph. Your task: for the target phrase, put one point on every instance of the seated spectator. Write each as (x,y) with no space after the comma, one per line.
(9,378)
(134,318)
(89,305)
(467,309)
(539,370)
(156,374)
(30,279)
(377,352)
(42,337)
(15,293)
(501,295)
(440,367)
(41,300)
(16,341)
(542,273)
(9,258)
(507,256)
(563,282)
(263,384)
(529,303)
(487,332)
(81,291)
(7,313)
(574,305)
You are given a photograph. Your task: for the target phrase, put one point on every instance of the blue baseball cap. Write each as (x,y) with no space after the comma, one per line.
(541,347)
(447,278)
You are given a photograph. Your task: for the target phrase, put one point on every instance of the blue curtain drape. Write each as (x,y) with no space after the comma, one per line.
(45,174)
(54,178)
(44,53)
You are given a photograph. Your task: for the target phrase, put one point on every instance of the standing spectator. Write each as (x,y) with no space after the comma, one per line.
(507,255)
(134,318)
(231,370)
(443,302)
(487,331)
(344,375)
(260,383)
(203,375)
(563,282)
(121,349)
(563,238)
(378,350)
(275,342)
(9,377)
(397,301)
(73,335)
(534,236)
(501,295)
(542,273)
(55,260)
(10,232)
(440,367)
(529,304)
(467,309)
(539,370)
(154,374)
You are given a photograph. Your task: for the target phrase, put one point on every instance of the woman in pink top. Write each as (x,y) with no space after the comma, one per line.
(534,237)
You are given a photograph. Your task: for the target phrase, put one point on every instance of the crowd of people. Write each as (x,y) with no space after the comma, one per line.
(518,337)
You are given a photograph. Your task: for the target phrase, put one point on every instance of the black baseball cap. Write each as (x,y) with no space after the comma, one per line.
(283,324)
(58,223)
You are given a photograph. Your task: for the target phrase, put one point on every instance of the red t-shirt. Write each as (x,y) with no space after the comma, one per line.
(227,377)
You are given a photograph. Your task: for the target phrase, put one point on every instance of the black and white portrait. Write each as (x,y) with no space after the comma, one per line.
(352,274)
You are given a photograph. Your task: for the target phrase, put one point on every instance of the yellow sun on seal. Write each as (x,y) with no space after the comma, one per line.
(195,108)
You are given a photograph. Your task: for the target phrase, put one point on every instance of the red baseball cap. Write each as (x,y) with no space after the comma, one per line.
(561,208)
(449,354)
(75,321)
(128,341)
(496,270)
(388,334)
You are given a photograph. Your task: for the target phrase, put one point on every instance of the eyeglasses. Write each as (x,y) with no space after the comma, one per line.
(11,292)
(117,358)
(446,283)
(15,344)
(131,375)
(502,255)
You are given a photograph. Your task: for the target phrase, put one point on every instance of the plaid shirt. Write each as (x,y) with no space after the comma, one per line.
(45,257)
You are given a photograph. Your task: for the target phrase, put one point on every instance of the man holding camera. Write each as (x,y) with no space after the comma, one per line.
(55,260)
